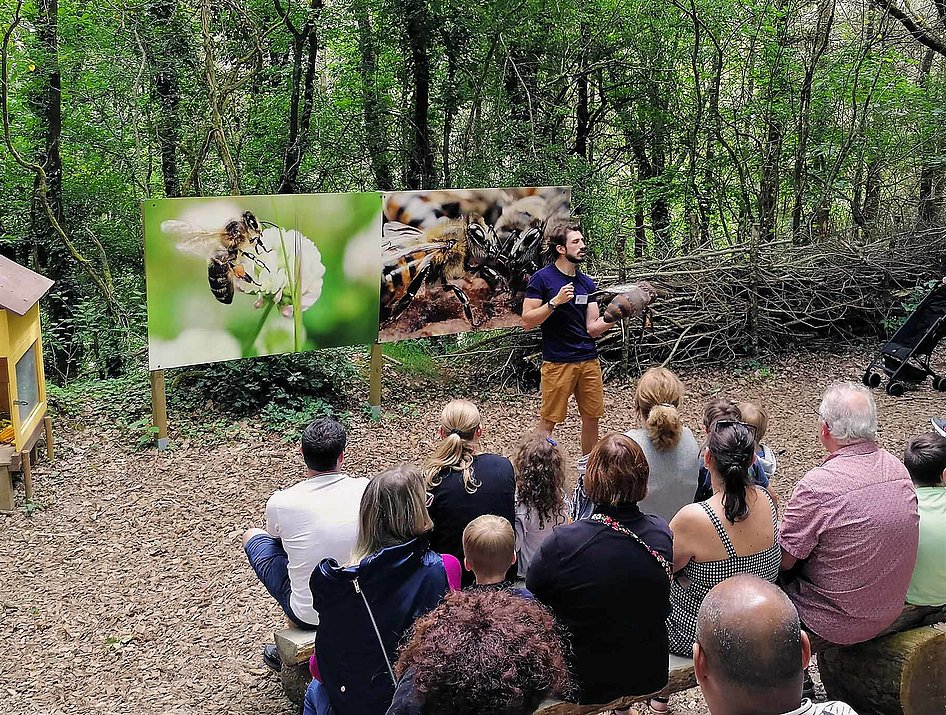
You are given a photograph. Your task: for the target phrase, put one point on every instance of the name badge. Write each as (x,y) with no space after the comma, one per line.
(581,299)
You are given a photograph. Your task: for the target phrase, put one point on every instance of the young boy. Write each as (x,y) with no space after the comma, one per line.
(755,415)
(489,550)
(925,459)
(720,408)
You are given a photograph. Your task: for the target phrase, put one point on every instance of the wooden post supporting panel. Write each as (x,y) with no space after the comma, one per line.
(374,393)
(159,407)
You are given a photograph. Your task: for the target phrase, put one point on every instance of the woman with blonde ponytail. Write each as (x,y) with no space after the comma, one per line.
(670,448)
(464,483)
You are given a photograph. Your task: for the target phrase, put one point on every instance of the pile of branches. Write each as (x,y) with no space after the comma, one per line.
(732,303)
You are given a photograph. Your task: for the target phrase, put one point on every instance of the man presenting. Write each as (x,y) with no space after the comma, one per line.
(314,519)
(557,300)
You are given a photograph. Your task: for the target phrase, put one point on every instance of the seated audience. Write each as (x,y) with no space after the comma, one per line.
(673,456)
(314,519)
(733,532)
(755,415)
(720,408)
(750,652)
(489,545)
(481,652)
(541,504)
(607,579)
(925,460)
(465,483)
(391,578)
(850,530)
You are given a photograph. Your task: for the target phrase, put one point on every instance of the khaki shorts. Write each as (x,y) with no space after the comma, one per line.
(561,380)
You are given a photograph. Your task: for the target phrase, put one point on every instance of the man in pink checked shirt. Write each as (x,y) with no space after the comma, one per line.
(850,531)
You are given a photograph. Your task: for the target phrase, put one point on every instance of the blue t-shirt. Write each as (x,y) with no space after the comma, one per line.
(564,333)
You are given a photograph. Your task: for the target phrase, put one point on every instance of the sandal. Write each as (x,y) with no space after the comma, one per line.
(660,704)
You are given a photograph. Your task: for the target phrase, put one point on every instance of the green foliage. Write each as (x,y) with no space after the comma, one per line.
(414,357)
(910,301)
(694,114)
(292,383)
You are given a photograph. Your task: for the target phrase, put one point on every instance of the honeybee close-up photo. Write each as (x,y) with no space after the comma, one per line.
(243,276)
(454,260)
(223,249)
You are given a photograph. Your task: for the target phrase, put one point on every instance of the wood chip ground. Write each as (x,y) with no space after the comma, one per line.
(127,592)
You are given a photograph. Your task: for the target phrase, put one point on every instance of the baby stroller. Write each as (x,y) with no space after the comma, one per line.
(906,356)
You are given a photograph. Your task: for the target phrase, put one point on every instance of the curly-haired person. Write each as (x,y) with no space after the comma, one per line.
(541,504)
(481,652)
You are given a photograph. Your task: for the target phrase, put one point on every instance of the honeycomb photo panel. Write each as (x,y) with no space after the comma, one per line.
(458,260)
(243,276)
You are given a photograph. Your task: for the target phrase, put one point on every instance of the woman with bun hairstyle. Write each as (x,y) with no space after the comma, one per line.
(672,452)
(733,532)
(464,483)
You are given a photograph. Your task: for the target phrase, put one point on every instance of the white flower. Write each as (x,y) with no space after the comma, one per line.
(193,346)
(289,256)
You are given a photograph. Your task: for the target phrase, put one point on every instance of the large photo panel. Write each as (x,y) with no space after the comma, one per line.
(459,260)
(232,277)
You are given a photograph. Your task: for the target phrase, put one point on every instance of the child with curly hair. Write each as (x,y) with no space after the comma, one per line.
(541,504)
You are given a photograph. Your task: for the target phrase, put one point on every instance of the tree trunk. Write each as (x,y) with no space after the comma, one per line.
(582,112)
(376,136)
(903,673)
(51,257)
(820,43)
(165,47)
(928,209)
(301,97)
(420,158)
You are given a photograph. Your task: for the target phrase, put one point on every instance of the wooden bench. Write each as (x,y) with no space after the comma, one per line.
(900,673)
(295,646)
(12,461)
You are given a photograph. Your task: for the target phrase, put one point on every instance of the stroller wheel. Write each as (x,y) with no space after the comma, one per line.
(871,379)
(895,389)
(939,383)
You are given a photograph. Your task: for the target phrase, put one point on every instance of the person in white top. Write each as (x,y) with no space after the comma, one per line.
(750,652)
(312,520)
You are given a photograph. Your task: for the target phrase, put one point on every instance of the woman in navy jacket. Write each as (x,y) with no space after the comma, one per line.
(607,579)
(367,606)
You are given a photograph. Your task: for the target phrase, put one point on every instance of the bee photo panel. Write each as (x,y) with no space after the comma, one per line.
(242,276)
(460,259)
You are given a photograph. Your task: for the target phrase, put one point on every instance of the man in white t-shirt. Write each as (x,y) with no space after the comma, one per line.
(314,519)
(750,652)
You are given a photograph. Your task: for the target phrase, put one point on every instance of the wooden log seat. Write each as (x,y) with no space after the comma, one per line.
(682,677)
(898,673)
(296,645)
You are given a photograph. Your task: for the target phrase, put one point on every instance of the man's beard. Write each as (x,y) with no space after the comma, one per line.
(575,260)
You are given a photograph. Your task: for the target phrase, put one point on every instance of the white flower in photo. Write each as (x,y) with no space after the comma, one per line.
(290,264)
(193,346)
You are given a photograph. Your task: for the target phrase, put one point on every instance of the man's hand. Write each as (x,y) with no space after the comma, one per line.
(627,304)
(564,295)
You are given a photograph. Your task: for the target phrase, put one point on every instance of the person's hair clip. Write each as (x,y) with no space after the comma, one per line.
(551,441)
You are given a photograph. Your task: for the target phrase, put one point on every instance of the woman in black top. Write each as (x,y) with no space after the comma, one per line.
(464,483)
(607,579)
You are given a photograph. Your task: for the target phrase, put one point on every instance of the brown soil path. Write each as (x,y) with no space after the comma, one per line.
(127,591)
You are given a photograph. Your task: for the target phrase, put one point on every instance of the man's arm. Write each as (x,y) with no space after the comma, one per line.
(535,311)
(594,323)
